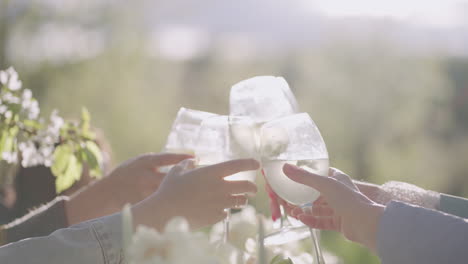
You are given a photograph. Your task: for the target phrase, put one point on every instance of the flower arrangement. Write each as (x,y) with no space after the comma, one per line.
(67,147)
(177,244)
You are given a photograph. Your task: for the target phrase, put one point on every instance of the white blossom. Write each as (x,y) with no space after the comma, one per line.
(176,245)
(33,110)
(3,109)
(11,98)
(39,150)
(27,94)
(13,82)
(3,77)
(56,122)
(29,154)
(10,157)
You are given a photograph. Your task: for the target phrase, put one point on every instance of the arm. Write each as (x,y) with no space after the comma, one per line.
(398,233)
(131,182)
(412,194)
(200,195)
(98,241)
(410,234)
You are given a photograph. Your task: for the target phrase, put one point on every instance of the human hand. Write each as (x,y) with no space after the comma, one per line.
(341,207)
(198,194)
(371,191)
(130,182)
(139,177)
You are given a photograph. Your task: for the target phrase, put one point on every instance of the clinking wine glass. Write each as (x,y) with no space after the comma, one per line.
(184,131)
(295,140)
(223,138)
(183,135)
(262,98)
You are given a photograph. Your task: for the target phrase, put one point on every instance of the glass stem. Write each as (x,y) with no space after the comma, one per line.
(284,221)
(226,225)
(317,251)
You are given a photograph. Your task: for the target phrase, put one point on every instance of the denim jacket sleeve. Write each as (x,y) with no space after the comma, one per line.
(96,241)
(411,235)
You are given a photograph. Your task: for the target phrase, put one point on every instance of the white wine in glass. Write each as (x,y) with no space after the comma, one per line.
(291,191)
(296,140)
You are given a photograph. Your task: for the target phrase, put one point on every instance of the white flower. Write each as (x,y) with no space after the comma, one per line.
(30,155)
(10,157)
(3,77)
(8,114)
(39,150)
(27,94)
(176,245)
(33,110)
(56,122)
(10,98)
(10,79)
(242,226)
(3,109)
(14,84)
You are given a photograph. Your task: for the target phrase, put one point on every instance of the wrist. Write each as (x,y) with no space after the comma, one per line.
(372,191)
(151,212)
(373,213)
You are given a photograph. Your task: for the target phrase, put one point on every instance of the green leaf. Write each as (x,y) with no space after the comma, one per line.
(85,116)
(32,124)
(72,174)
(3,138)
(281,260)
(9,143)
(85,120)
(93,158)
(61,157)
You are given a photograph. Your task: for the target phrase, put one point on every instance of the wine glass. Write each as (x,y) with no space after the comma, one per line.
(183,135)
(223,138)
(262,98)
(184,131)
(296,140)
(265,98)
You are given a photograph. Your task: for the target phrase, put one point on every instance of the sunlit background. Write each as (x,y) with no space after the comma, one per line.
(386,81)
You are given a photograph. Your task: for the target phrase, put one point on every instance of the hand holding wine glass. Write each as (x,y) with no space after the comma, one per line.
(295,140)
(198,194)
(341,206)
(223,138)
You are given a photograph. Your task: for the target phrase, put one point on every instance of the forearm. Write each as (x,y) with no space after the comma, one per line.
(40,222)
(99,199)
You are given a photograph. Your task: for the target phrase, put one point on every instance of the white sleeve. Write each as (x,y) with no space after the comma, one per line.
(97,241)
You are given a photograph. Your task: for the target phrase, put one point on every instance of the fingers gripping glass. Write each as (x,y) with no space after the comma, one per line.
(296,140)
(223,138)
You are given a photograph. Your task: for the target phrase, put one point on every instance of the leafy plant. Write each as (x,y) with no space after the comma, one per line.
(68,147)
(77,151)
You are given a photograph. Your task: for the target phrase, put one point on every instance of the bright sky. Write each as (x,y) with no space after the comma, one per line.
(441,13)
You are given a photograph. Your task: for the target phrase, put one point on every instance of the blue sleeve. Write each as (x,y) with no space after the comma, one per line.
(97,241)
(454,205)
(409,234)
